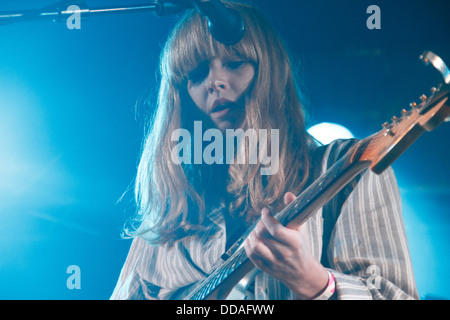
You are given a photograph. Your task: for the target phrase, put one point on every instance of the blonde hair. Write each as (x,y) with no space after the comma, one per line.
(173,199)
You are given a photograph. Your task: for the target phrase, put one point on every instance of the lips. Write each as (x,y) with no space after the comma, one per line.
(221,104)
(223,108)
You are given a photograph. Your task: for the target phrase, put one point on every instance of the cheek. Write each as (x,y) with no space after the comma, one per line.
(197,95)
(246,79)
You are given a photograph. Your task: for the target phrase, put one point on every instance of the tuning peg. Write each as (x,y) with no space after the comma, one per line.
(389,132)
(403,112)
(413,104)
(388,129)
(424,58)
(433,90)
(423,97)
(394,119)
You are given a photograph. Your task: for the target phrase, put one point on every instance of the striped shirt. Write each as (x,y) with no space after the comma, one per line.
(359,236)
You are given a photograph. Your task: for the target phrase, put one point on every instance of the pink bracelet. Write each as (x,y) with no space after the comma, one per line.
(331,287)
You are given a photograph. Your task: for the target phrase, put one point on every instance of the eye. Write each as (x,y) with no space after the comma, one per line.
(236,64)
(199,73)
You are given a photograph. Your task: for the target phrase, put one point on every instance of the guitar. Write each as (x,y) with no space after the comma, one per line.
(376,152)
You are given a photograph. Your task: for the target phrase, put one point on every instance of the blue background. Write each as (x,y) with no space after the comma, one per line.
(71,128)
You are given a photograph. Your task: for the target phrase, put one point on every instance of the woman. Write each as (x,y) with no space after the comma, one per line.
(190,212)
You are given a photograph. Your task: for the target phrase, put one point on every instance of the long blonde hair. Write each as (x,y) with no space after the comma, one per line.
(173,199)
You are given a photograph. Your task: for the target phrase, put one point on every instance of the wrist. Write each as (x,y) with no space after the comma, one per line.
(329,290)
(313,284)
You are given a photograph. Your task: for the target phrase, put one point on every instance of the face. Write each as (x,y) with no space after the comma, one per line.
(218,87)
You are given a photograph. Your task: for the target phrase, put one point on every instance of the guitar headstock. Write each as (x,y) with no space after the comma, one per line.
(388,144)
(384,147)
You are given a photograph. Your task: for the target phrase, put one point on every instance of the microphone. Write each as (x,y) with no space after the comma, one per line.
(225,24)
(169,7)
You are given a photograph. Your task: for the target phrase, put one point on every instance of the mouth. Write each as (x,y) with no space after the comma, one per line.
(221,107)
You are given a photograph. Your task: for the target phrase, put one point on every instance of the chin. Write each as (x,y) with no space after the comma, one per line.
(222,126)
(231,123)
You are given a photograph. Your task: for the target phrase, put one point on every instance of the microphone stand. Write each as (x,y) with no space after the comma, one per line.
(59,11)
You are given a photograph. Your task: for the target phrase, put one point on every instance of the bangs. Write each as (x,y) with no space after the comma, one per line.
(191,43)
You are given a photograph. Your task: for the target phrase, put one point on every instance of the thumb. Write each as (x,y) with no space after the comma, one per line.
(289,197)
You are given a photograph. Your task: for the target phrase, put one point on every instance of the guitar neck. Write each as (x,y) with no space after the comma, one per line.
(237,264)
(325,187)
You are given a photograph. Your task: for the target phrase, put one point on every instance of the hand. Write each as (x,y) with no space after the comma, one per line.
(285,254)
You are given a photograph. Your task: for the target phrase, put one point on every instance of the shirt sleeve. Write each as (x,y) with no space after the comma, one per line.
(161,272)
(368,251)
(131,285)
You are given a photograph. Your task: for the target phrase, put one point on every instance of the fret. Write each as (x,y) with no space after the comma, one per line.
(326,186)
(312,192)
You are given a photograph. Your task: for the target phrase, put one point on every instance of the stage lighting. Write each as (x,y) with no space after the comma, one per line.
(326,132)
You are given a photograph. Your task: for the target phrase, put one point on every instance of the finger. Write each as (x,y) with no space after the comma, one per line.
(289,197)
(258,252)
(260,228)
(277,248)
(257,246)
(280,233)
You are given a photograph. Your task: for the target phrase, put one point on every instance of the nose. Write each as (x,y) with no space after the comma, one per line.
(217,82)
(216,86)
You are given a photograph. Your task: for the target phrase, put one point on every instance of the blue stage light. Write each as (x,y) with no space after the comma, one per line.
(325,132)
